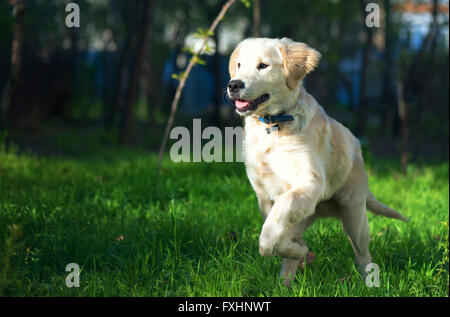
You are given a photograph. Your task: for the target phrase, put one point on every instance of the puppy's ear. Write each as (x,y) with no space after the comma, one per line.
(233,59)
(298,60)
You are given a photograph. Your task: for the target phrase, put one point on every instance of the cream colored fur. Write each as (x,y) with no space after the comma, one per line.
(312,167)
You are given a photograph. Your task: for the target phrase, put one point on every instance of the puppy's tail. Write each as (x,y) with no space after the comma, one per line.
(380,209)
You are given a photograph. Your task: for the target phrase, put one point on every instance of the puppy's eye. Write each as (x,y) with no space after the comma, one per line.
(262,66)
(239,65)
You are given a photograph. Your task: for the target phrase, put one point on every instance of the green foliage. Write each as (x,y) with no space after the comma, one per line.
(443,269)
(6,22)
(247,3)
(193,230)
(14,233)
(179,76)
(197,60)
(203,33)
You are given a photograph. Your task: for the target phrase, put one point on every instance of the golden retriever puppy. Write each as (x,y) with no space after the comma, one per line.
(301,163)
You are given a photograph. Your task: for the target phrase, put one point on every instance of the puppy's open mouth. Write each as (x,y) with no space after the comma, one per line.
(243,105)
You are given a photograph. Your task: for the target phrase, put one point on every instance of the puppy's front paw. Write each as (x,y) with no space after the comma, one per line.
(270,234)
(265,251)
(265,246)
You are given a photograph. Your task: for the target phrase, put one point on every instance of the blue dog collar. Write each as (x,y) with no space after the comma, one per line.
(273,121)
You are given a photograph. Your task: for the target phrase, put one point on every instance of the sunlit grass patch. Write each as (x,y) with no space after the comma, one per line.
(193,231)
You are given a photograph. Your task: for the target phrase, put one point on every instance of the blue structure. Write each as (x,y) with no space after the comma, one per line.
(199,91)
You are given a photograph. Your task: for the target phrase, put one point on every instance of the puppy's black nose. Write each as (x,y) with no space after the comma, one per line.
(235,85)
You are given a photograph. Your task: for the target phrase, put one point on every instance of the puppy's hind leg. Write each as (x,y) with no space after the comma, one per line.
(289,267)
(356,226)
(288,271)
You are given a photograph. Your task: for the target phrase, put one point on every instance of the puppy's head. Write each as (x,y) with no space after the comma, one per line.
(266,74)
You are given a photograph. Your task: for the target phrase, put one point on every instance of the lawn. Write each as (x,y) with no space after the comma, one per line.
(193,230)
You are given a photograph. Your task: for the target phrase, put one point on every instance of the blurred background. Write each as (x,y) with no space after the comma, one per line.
(109,82)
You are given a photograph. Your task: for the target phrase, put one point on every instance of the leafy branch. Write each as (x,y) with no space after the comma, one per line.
(195,59)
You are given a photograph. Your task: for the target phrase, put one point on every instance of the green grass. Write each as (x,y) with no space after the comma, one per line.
(193,231)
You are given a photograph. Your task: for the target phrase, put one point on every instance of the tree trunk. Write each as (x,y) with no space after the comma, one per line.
(256,18)
(218,96)
(120,80)
(362,110)
(16,63)
(126,127)
(111,79)
(388,96)
(424,79)
(403,115)
(151,97)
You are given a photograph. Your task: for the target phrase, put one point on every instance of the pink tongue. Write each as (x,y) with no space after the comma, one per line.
(241,104)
